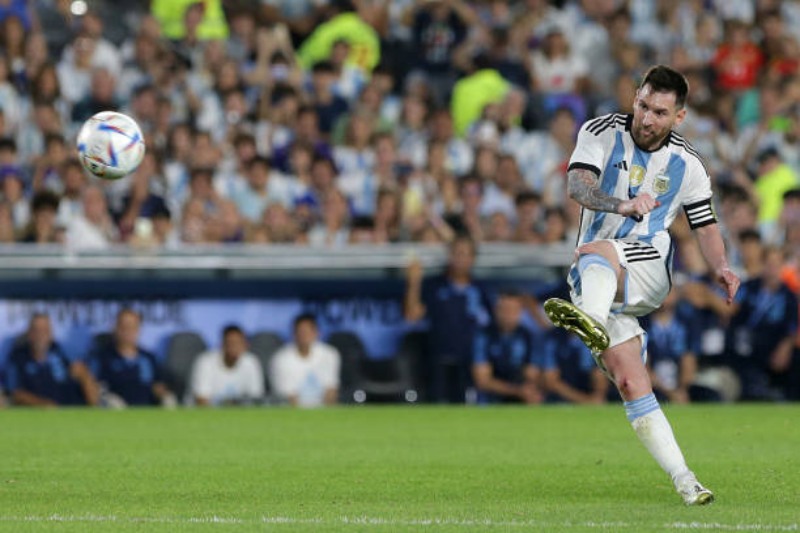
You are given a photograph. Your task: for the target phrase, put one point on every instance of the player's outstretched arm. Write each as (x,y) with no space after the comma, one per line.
(584,188)
(713,248)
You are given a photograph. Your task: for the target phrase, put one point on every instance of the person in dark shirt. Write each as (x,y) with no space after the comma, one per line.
(456,307)
(438,30)
(671,363)
(569,371)
(763,331)
(39,374)
(329,106)
(503,364)
(127,370)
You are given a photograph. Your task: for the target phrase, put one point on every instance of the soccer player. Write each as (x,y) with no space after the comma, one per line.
(631,174)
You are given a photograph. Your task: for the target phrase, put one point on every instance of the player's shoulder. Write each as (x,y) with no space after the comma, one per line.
(605,124)
(684,148)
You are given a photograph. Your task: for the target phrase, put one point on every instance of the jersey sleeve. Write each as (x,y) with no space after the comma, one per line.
(696,196)
(589,150)
(479,349)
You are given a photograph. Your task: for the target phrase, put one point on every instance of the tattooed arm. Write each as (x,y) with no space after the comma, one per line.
(584,188)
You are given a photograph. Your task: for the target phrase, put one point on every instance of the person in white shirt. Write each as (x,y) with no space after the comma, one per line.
(305,372)
(93,229)
(229,376)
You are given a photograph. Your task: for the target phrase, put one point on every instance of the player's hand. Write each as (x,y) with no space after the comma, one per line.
(638,205)
(728,281)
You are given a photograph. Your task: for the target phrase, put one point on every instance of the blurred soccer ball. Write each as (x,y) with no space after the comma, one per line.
(110,145)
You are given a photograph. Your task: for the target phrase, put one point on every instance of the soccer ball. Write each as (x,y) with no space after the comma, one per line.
(110,145)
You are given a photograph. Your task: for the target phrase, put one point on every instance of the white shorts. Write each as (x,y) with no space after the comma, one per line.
(647,283)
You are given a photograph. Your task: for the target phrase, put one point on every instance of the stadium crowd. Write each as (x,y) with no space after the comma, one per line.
(325,122)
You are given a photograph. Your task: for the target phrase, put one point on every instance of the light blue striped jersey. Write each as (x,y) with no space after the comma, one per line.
(673,174)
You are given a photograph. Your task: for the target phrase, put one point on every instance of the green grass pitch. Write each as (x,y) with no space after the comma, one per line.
(392,469)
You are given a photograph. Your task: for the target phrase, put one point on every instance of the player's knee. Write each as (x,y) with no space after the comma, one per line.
(631,387)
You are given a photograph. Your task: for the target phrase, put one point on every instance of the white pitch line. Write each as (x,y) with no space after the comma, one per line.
(390,522)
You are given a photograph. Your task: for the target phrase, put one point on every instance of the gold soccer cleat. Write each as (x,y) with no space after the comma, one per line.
(565,315)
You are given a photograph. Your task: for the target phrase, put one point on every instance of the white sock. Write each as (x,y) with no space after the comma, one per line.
(654,431)
(596,272)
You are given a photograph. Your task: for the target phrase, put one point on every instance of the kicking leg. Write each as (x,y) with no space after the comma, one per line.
(597,271)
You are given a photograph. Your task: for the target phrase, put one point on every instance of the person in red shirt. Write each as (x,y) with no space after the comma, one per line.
(738,60)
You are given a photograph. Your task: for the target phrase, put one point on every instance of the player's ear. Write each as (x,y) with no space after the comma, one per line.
(679,116)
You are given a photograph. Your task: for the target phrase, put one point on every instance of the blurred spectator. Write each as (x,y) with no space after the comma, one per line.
(10,102)
(93,228)
(542,155)
(504,365)
(334,227)
(39,374)
(263,188)
(327,104)
(345,24)
(529,217)
(439,27)
(74,182)
(43,228)
(556,70)
(569,371)
(100,98)
(738,60)
(13,193)
(775,178)
(305,372)
(763,331)
(472,93)
(452,302)
(127,370)
(228,376)
(671,364)
(206,19)
(7,234)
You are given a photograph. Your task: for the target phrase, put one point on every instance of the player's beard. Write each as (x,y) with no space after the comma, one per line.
(649,139)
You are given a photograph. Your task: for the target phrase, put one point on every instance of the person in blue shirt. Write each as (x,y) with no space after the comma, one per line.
(569,371)
(127,370)
(504,368)
(671,363)
(762,329)
(456,308)
(39,374)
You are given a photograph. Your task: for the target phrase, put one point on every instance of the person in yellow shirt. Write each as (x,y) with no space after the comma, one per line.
(775,178)
(471,94)
(170,13)
(344,25)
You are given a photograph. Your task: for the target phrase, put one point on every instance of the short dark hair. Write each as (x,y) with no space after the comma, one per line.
(792,194)
(44,200)
(129,311)
(663,79)
(527,196)
(510,292)
(232,328)
(465,238)
(749,234)
(259,160)
(304,317)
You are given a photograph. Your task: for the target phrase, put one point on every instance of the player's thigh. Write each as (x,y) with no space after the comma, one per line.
(646,278)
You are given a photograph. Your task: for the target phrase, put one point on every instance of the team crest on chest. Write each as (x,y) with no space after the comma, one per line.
(661,184)
(636,175)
